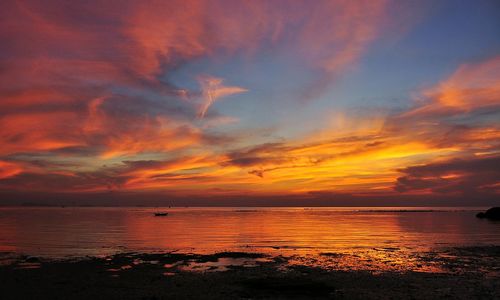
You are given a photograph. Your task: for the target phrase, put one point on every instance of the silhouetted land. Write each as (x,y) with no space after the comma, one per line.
(492,213)
(467,273)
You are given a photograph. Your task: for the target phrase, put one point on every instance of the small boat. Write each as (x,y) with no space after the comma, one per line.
(161,214)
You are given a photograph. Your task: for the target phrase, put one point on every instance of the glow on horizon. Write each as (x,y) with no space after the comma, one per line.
(125,97)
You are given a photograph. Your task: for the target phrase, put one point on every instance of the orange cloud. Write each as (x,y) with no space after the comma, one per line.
(153,136)
(8,169)
(127,137)
(30,132)
(470,87)
(64,61)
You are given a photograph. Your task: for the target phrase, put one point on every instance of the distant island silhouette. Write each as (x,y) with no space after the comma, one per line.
(492,213)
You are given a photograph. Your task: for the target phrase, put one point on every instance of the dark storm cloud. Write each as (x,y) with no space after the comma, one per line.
(467,176)
(64,181)
(260,155)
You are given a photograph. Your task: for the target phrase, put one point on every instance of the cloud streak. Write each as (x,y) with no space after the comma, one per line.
(466,176)
(471,87)
(212,90)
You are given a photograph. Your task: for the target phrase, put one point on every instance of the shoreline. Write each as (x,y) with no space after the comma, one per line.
(466,273)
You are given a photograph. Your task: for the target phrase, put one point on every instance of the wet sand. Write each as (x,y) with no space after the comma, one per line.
(454,273)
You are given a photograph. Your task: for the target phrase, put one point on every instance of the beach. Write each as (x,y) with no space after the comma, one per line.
(455,273)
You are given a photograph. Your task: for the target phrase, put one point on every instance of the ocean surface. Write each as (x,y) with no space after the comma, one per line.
(57,232)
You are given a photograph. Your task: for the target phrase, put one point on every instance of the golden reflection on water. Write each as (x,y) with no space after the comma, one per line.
(346,239)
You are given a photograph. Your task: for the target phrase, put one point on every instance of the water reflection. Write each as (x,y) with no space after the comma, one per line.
(60,232)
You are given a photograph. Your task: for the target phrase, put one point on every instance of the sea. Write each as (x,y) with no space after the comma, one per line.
(65,232)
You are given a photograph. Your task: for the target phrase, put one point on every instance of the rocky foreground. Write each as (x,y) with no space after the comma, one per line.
(458,273)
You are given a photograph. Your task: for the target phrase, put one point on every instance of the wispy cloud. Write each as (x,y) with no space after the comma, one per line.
(212,90)
(470,87)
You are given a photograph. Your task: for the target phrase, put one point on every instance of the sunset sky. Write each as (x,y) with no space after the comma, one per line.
(250,102)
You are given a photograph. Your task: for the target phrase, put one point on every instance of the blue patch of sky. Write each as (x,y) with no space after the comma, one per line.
(273,82)
(386,76)
(392,72)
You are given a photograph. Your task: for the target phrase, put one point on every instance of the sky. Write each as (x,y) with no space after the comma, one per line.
(205,103)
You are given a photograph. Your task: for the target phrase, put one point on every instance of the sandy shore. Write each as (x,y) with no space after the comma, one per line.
(459,273)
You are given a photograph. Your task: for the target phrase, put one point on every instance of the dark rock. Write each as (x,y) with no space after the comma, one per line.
(492,213)
(32,259)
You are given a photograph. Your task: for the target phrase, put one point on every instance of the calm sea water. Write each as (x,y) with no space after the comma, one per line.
(63,232)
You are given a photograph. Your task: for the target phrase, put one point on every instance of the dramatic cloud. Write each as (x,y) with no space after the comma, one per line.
(471,87)
(62,182)
(468,176)
(61,60)
(114,96)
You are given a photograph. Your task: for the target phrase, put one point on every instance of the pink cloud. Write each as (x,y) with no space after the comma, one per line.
(213,89)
